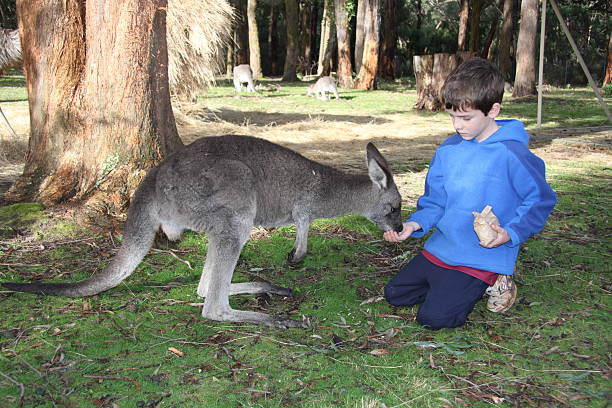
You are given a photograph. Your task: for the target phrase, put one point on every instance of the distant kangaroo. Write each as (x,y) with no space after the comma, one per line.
(224,186)
(243,75)
(323,85)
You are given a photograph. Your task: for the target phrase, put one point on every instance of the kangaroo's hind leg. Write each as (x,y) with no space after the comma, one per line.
(238,288)
(225,251)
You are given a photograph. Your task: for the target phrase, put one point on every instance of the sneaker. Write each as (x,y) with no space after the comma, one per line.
(502,294)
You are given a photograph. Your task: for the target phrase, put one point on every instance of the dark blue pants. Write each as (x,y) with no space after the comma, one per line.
(446,296)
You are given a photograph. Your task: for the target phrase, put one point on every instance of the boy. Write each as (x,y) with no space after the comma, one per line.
(487,162)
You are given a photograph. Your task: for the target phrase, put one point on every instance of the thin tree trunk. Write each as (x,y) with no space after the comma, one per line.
(272,42)
(608,78)
(486,48)
(242,32)
(464,14)
(386,68)
(328,41)
(475,25)
(360,33)
(96,128)
(505,39)
(345,70)
(229,60)
(254,50)
(524,82)
(306,15)
(291,58)
(367,75)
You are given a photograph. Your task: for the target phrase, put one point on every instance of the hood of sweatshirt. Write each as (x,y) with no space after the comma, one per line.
(510,130)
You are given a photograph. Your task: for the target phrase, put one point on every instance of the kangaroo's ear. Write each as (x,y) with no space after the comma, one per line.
(378,169)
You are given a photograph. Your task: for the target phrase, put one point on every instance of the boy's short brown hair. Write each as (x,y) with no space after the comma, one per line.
(475,84)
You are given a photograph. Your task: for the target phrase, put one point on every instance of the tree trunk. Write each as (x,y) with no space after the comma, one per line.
(328,42)
(229,60)
(524,82)
(242,32)
(431,72)
(345,70)
(505,39)
(486,48)
(96,127)
(306,37)
(608,77)
(475,25)
(464,14)
(254,50)
(367,75)
(273,58)
(293,41)
(360,33)
(386,68)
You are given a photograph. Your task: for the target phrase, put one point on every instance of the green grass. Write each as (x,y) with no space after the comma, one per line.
(12,87)
(551,349)
(561,108)
(548,350)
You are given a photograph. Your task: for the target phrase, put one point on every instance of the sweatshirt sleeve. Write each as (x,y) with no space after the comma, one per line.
(430,206)
(538,199)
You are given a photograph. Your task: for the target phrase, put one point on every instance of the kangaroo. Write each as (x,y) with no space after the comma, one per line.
(323,85)
(223,186)
(243,75)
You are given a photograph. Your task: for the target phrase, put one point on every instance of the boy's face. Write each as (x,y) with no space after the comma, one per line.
(473,123)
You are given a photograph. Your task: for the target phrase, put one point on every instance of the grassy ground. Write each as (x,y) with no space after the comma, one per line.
(144,344)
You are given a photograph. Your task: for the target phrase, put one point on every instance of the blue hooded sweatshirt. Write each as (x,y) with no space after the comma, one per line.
(466,176)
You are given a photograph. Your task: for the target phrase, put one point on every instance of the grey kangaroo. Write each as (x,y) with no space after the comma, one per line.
(243,75)
(322,87)
(224,186)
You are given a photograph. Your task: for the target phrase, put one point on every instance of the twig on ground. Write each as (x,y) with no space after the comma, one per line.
(18,384)
(174,255)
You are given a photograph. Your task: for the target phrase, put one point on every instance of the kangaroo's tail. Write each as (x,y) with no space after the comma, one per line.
(138,235)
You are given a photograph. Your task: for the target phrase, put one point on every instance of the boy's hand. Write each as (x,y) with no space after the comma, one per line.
(407,229)
(502,237)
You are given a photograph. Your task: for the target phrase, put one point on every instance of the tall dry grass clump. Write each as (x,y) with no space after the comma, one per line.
(197,31)
(10,49)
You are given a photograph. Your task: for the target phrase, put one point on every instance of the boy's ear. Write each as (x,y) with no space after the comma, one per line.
(495,109)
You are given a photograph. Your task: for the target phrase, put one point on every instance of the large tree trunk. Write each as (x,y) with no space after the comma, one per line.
(254,50)
(95,127)
(345,69)
(431,72)
(328,42)
(608,77)
(293,41)
(524,79)
(505,39)
(242,32)
(367,75)
(360,33)
(475,25)
(464,14)
(386,67)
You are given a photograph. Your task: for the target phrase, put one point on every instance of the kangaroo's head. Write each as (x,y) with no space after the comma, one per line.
(385,203)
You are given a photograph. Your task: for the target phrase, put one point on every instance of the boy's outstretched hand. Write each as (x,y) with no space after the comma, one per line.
(502,237)
(407,229)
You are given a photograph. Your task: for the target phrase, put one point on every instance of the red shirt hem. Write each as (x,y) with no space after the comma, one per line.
(485,276)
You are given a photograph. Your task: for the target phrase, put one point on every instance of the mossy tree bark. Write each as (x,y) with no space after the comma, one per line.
(100,112)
